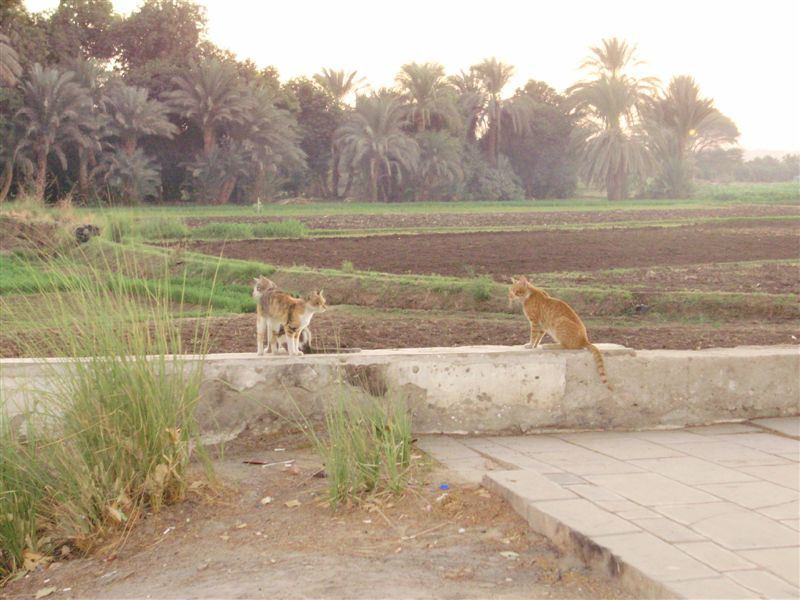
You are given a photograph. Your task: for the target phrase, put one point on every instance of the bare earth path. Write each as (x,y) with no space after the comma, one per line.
(430,543)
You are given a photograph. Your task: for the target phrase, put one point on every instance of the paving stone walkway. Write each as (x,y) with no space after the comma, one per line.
(704,512)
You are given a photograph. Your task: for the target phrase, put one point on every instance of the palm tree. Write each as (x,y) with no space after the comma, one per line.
(472,100)
(680,123)
(425,90)
(53,105)
(611,59)
(373,140)
(494,76)
(266,141)
(133,115)
(339,84)
(611,137)
(10,68)
(131,177)
(89,75)
(440,162)
(212,96)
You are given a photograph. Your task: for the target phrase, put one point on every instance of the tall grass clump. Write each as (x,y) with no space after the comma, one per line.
(109,434)
(161,228)
(223,231)
(119,227)
(365,446)
(289,228)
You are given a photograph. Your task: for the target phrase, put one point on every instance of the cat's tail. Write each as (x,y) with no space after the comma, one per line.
(601,367)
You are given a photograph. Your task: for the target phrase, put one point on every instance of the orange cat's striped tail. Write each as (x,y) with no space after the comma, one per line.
(601,367)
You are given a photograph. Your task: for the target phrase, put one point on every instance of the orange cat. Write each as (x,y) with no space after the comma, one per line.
(276,309)
(555,317)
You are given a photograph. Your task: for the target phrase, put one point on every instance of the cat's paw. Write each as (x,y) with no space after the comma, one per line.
(529,346)
(259,353)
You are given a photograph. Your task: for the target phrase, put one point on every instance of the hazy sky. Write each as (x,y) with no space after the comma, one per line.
(743,53)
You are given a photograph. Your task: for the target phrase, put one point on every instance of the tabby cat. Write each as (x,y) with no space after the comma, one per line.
(554,317)
(276,309)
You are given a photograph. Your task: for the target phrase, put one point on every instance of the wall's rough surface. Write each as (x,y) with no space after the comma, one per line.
(486,389)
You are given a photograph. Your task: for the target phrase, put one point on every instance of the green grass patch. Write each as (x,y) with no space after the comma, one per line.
(290,228)
(706,196)
(222,231)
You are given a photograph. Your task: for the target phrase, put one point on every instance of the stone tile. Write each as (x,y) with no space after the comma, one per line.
(692,470)
(784,425)
(581,461)
(468,475)
(667,529)
(722,429)
(469,470)
(626,509)
(788,510)
(783,562)
(531,444)
(689,514)
(582,516)
(717,587)
(594,492)
(715,557)
(765,442)
(510,458)
(567,479)
(785,475)
(751,494)
(731,455)
(623,448)
(793,523)
(746,530)
(791,457)
(441,447)
(654,557)
(765,584)
(672,437)
(520,488)
(651,489)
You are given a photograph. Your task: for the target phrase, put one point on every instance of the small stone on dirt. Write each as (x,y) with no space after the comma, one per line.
(292,503)
(266,500)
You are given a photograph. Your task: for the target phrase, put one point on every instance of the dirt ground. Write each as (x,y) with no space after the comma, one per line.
(429,543)
(511,253)
(765,277)
(511,218)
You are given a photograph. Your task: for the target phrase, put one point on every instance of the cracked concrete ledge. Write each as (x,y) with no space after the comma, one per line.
(482,389)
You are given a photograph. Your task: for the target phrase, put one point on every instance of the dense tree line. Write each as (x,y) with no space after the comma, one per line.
(145,107)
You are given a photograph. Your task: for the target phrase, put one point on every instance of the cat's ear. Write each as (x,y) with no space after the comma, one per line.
(513,280)
(523,279)
(320,291)
(255,279)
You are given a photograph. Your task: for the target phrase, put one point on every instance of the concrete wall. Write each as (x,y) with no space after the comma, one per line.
(485,389)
